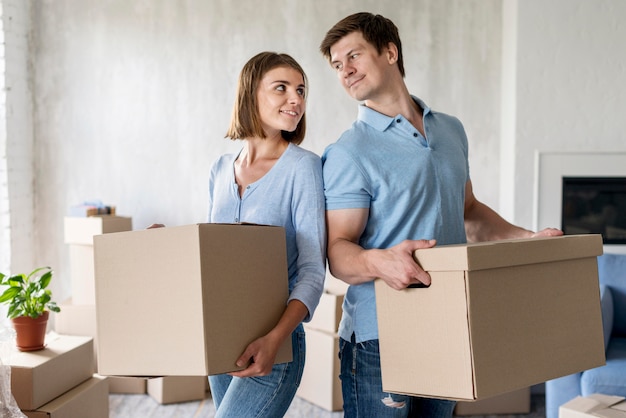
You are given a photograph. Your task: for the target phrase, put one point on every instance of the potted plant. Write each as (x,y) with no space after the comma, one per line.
(29,303)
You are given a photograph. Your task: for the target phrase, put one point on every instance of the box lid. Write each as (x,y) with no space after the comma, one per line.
(507,253)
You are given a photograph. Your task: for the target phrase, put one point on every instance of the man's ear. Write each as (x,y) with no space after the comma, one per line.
(392,53)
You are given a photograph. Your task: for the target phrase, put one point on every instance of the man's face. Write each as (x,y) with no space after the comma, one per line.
(360,69)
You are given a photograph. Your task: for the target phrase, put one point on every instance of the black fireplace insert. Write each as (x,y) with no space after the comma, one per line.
(595,205)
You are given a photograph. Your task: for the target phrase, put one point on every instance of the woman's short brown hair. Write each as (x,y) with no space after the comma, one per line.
(376,29)
(245,121)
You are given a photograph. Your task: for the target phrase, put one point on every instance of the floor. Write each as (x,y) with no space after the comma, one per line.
(134,406)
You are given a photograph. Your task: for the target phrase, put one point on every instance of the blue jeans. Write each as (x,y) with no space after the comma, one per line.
(362,387)
(266,396)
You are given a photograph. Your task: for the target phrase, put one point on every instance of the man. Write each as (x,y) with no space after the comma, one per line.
(396,181)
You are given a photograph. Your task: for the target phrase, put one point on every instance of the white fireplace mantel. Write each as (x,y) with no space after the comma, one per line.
(551,167)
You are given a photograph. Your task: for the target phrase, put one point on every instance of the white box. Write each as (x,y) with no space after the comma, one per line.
(320,382)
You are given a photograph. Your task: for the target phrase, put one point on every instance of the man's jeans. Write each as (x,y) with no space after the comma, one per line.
(363,396)
(266,396)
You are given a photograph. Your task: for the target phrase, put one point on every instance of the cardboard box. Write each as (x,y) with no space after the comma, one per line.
(320,382)
(187,300)
(334,285)
(596,405)
(127,384)
(79,230)
(498,316)
(173,389)
(87,400)
(37,377)
(77,320)
(516,402)
(82,274)
(328,313)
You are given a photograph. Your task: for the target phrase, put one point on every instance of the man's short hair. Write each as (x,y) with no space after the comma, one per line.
(376,29)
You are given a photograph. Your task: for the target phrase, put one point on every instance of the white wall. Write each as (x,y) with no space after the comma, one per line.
(132,98)
(17,175)
(571,86)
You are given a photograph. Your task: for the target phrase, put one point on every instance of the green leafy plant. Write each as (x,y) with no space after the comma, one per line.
(27,294)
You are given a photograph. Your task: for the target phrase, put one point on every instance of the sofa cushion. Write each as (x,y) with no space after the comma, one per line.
(609,379)
(606,303)
(612,272)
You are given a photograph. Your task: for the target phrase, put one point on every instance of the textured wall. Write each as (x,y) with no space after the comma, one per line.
(132,99)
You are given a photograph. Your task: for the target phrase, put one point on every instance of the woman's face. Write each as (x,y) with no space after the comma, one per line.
(281,100)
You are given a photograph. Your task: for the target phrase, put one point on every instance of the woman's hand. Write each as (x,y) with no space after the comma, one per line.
(259,356)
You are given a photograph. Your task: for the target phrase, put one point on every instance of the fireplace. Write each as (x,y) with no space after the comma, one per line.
(595,205)
(582,192)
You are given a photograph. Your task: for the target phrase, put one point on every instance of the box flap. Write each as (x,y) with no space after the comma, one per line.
(506,253)
(597,405)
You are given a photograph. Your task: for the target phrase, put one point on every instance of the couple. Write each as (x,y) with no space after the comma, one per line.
(396,181)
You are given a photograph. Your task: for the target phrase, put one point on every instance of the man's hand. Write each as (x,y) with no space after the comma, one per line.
(397,267)
(547,232)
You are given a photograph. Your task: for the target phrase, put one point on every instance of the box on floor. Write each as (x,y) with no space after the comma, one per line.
(38,377)
(89,399)
(498,316)
(135,385)
(187,300)
(595,405)
(515,402)
(173,389)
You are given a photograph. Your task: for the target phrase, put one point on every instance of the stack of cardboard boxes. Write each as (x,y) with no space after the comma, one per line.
(320,383)
(78,314)
(58,381)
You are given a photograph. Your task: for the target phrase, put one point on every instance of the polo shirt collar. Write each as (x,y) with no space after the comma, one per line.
(381,122)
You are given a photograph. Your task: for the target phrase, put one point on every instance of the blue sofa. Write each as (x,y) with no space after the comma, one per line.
(611,378)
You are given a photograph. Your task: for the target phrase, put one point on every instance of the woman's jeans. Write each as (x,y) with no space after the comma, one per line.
(363,395)
(266,396)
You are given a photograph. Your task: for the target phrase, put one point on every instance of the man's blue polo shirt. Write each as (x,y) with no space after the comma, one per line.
(414,188)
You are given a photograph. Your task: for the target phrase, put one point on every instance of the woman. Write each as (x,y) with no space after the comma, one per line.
(272,181)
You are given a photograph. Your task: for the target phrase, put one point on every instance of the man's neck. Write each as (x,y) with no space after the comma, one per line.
(399,103)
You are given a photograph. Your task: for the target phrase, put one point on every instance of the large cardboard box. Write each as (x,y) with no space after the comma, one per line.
(320,382)
(37,377)
(174,389)
(515,402)
(498,316)
(593,406)
(187,300)
(90,399)
(81,230)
